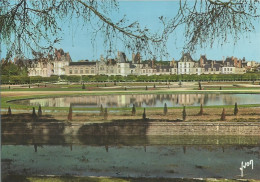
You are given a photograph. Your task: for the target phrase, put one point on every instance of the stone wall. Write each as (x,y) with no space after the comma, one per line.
(133,128)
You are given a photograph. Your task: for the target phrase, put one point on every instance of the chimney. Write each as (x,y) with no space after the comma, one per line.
(201,60)
(118,54)
(133,57)
(223,59)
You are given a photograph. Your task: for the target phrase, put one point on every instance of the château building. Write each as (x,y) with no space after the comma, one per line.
(61,64)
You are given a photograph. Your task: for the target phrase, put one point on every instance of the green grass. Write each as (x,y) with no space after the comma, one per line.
(231,88)
(20,178)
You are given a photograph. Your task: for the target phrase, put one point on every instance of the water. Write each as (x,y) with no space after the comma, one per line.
(138,156)
(145,100)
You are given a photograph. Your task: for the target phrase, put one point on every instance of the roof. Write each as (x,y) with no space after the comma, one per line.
(121,57)
(187,56)
(81,63)
(132,65)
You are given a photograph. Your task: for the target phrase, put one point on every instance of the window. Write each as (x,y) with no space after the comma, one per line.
(143,71)
(230,69)
(81,71)
(224,69)
(76,71)
(92,71)
(86,71)
(70,71)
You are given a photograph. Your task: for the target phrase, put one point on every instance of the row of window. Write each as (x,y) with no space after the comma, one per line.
(227,69)
(39,72)
(154,71)
(81,71)
(185,64)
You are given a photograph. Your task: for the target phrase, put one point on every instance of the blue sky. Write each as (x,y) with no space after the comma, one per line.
(147,13)
(77,40)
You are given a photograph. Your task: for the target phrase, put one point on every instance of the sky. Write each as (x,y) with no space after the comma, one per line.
(77,40)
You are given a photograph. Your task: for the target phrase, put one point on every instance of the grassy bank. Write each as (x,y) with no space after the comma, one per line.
(210,114)
(16,178)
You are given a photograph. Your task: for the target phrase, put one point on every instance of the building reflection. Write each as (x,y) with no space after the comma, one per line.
(145,100)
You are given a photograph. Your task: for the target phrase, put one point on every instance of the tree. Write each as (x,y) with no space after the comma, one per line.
(70,114)
(165,109)
(201,110)
(101,110)
(8,68)
(235,109)
(40,111)
(105,114)
(9,112)
(223,115)
(32,24)
(144,115)
(133,110)
(184,114)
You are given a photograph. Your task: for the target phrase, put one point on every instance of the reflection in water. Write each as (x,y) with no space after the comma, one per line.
(192,161)
(145,100)
(35,147)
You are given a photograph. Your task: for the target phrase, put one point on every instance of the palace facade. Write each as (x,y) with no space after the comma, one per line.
(61,64)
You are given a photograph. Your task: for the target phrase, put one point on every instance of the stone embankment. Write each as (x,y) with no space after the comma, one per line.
(132,128)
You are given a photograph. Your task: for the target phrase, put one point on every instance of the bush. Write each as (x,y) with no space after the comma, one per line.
(165,109)
(70,114)
(184,114)
(73,78)
(223,115)
(133,110)
(235,109)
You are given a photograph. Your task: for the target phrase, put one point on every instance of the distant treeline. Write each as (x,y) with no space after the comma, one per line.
(130,78)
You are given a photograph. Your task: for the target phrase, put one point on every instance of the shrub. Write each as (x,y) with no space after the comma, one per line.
(201,110)
(235,109)
(133,110)
(105,114)
(9,111)
(101,110)
(40,111)
(70,114)
(184,114)
(34,113)
(144,115)
(165,109)
(223,115)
